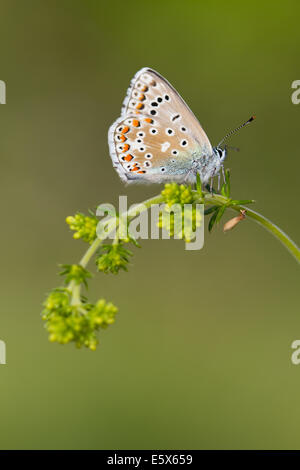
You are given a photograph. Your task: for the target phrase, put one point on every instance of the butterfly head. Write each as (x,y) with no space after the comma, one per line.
(221,153)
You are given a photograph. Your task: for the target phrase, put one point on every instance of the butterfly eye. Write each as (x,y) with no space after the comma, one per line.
(174,152)
(183,143)
(148,155)
(153,131)
(170,131)
(183,129)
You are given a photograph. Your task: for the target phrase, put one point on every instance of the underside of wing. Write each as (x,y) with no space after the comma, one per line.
(144,151)
(157,138)
(152,95)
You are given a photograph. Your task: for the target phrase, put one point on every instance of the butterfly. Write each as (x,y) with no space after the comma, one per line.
(158,139)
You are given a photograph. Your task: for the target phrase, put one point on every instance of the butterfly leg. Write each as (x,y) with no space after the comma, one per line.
(223,173)
(219,181)
(212,181)
(194,182)
(187,177)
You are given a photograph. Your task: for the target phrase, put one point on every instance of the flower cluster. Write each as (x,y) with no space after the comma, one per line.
(174,193)
(84,226)
(112,258)
(77,323)
(182,223)
(179,216)
(69,317)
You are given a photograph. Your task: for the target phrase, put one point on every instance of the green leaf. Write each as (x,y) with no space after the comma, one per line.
(76,273)
(210,210)
(237,202)
(220,213)
(212,220)
(133,241)
(199,185)
(225,190)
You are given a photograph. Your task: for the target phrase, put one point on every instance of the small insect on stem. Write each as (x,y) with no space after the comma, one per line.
(233,222)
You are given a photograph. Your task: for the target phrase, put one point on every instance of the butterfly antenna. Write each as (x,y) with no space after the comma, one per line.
(235,130)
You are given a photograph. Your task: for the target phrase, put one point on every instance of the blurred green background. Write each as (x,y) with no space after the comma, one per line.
(200,354)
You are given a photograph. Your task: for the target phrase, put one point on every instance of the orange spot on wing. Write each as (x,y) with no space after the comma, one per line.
(142,97)
(140,106)
(135,122)
(126,147)
(122,138)
(145,88)
(128,158)
(141,171)
(125,129)
(148,120)
(135,168)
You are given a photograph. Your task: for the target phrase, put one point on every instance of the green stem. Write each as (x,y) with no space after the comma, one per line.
(207,198)
(291,246)
(131,213)
(90,252)
(274,229)
(75,288)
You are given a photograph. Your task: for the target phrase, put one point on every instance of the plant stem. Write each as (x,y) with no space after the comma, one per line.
(274,229)
(207,198)
(74,288)
(291,246)
(131,213)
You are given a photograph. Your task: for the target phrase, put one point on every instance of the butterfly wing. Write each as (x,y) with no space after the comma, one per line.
(157,136)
